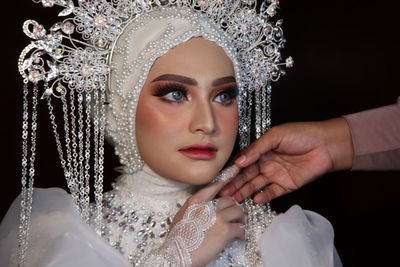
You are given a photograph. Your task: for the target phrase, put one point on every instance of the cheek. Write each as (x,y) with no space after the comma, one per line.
(157,129)
(155,121)
(228,120)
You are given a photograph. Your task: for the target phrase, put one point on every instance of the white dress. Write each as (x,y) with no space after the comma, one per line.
(136,215)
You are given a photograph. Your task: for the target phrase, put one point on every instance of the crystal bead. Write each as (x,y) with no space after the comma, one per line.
(60,89)
(58,51)
(55,27)
(38,31)
(68,27)
(100,43)
(99,21)
(85,71)
(34,76)
(289,62)
(47,3)
(169,220)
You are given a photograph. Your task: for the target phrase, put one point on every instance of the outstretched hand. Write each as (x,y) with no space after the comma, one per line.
(290,156)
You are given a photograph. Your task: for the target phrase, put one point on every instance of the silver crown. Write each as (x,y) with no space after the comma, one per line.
(82,64)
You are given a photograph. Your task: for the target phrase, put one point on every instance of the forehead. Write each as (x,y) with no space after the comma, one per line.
(196,57)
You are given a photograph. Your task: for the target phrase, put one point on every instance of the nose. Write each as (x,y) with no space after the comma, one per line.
(203,119)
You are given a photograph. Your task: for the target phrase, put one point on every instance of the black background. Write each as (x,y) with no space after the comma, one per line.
(346,60)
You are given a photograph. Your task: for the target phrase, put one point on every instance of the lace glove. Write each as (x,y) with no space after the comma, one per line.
(185,237)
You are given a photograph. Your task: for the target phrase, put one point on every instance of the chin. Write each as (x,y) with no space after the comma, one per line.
(188,171)
(198,175)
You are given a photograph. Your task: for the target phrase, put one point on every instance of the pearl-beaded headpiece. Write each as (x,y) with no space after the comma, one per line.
(74,62)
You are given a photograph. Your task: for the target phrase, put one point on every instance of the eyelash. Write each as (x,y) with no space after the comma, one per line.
(164,89)
(231,91)
(167,88)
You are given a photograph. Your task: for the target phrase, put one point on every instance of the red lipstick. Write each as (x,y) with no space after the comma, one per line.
(199,151)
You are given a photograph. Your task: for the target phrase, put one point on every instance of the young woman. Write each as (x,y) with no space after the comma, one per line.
(177,97)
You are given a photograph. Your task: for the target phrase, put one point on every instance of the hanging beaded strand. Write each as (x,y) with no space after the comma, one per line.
(99,132)
(28,170)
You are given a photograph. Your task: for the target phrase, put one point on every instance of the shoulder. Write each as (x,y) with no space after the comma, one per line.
(299,238)
(57,233)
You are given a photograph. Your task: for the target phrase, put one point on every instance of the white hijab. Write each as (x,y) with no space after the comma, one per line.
(142,42)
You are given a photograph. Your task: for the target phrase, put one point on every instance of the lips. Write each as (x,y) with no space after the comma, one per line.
(199,151)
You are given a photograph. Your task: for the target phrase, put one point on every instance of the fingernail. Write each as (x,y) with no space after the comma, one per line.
(236,197)
(258,199)
(241,159)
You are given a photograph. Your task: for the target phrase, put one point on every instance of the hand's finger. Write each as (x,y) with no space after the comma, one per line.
(236,230)
(269,193)
(225,202)
(232,214)
(264,144)
(251,187)
(242,178)
(211,190)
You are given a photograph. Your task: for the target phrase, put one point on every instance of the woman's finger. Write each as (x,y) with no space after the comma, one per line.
(225,202)
(211,190)
(232,214)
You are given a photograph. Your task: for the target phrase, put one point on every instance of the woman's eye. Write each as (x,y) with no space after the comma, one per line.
(224,98)
(175,96)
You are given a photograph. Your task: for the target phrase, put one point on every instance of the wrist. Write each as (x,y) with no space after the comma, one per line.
(339,143)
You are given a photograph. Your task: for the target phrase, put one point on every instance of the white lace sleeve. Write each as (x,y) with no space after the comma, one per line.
(185,237)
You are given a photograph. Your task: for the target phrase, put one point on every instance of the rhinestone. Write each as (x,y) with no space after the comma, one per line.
(100,43)
(99,21)
(38,31)
(68,28)
(289,62)
(37,60)
(58,51)
(34,76)
(47,3)
(61,89)
(86,71)
(169,220)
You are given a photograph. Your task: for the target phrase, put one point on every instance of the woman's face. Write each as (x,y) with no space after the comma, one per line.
(187,113)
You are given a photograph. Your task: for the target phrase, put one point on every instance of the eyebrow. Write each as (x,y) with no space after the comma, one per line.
(223,80)
(175,78)
(191,81)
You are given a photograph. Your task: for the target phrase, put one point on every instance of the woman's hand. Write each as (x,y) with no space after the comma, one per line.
(227,225)
(290,156)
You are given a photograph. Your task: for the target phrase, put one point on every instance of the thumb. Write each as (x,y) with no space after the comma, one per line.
(210,191)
